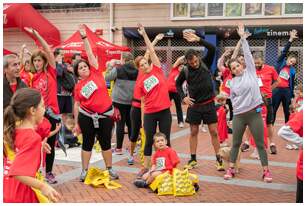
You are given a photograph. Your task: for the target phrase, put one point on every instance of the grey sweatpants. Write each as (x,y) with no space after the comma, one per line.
(254,121)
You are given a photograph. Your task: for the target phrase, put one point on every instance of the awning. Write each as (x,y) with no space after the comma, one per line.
(24,15)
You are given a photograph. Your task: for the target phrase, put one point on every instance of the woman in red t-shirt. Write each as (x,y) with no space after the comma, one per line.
(173,94)
(26,110)
(92,109)
(44,80)
(152,86)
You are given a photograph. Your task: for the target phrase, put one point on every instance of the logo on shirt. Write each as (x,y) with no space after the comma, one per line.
(228,83)
(283,74)
(150,83)
(42,85)
(160,163)
(88,89)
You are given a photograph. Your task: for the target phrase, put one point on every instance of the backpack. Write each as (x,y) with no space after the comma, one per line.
(68,81)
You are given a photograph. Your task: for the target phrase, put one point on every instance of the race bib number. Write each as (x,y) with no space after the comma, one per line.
(89,89)
(228,83)
(160,163)
(259,82)
(150,83)
(283,74)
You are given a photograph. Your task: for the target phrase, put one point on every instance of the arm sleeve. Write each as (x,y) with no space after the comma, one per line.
(211,49)
(179,82)
(174,158)
(250,65)
(111,74)
(288,134)
(220,64)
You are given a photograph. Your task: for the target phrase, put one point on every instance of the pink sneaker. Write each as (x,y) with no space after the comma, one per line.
(230,173)
(267,177)
(50,178)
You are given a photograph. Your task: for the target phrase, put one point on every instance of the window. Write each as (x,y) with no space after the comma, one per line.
(253,9)
(293,8)
(198,11)
(233,10)
(64,6)
(273,9)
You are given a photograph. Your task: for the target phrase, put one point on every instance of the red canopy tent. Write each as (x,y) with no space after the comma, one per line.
(24,15)
(102,49)
(6,52)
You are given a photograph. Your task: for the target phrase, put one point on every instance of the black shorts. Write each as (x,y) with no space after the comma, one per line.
(269,119)
(198,113)
(64,104)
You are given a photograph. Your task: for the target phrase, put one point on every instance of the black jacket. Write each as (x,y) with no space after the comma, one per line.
(200,81)
(7,91)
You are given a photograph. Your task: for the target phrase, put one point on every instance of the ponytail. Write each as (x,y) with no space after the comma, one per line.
(9,125)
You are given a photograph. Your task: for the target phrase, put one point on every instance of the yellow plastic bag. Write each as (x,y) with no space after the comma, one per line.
(40,197)
(99,178)
(97,147)
(143,142)
(182,184)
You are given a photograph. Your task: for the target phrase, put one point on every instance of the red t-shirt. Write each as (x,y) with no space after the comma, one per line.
(266,75)
(136,102)
(46,83)
(226,73)
(153,87)
(92,92)
(296,124)
(284,76)
(26,163)
(26,77)
(43,128)
(226,84)
(222,124)
(172,78)
(166,159)
(13,87)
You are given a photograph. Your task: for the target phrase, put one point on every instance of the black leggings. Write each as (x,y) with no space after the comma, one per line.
(125,120)
(230,106)
(178,106)
(135,115)
(150,124)
(51,142)
(104,132)
(281,95)
(299,191)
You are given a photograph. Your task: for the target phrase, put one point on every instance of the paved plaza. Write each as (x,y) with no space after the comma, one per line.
(246,187)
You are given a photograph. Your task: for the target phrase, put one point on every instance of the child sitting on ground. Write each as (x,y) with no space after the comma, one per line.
(69,137)
(164,159)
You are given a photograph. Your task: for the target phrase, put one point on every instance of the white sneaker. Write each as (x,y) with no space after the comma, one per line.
(181,125)
(203,129)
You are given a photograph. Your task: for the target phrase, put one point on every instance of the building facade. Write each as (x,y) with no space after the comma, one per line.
(269,24)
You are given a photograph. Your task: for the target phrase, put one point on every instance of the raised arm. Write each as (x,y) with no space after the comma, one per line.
(44,44)
(21,55)
(154,42)
(149,45)
(236,50)
(91,57)
(249,61)
(293,35)
(220,63)
(179,61)
(211,49)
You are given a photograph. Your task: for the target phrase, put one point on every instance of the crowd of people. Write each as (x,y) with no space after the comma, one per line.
(45,97)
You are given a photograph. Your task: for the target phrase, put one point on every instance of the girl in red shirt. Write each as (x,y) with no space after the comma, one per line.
(93,109)
(153,88)
(44,80)
(173,94)
(25,111)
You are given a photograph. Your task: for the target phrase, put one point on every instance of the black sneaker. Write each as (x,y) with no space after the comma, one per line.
(196,187)
(245,147)
(140,183)
(273,149)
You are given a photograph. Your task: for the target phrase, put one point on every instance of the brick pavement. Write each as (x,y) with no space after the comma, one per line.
(247,187)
